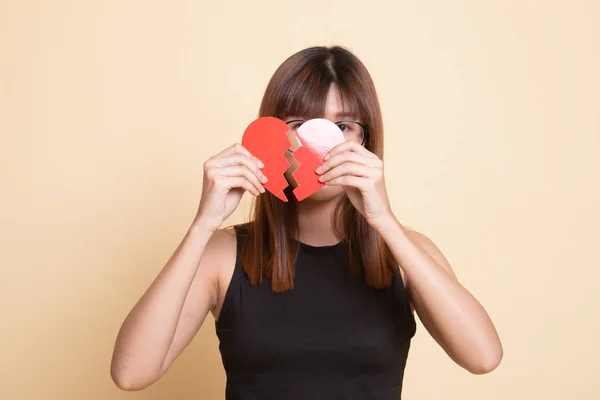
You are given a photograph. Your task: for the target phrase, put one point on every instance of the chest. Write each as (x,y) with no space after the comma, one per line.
(331,319)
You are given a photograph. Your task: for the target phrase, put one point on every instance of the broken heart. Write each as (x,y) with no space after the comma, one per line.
(266,138)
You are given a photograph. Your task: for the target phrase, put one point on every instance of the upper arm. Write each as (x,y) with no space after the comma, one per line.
(430,248)
(203,295)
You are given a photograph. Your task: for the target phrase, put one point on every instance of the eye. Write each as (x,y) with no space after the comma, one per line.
(293,125)
(343,127)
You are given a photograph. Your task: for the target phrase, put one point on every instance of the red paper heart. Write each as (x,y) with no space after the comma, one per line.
(266,138)
(317,137)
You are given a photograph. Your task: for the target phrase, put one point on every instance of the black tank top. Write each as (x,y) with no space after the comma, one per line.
(331,337)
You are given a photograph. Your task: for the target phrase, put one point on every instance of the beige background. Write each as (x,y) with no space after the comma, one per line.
(109,108)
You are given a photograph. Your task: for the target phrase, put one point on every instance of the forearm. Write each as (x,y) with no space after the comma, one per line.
(464,327)
(148,330)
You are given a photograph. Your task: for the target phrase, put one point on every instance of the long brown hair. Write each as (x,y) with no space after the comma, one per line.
(300,87)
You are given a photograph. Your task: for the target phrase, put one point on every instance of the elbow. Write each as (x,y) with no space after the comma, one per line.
(128,381)
(488,362)
(124,382)
(127,385)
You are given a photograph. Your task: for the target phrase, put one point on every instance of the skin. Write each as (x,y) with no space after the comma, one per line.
(195,279)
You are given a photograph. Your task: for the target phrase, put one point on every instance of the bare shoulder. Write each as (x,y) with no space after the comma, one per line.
(221,241)
(427,245)
(221,252)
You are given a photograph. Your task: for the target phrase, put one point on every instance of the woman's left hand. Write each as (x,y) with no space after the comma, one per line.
(360,173)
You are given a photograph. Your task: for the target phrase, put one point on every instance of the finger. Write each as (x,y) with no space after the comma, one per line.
(242,150)
(235,160)
(234,148)
(349,156)
(232,182)
(352,146)
(349,180)
(347,168)
(241,170)
(237,148)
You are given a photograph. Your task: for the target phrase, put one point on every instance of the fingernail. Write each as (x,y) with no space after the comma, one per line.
(326,157)
(260,164)
(264,179)
(321,178)
(319,170)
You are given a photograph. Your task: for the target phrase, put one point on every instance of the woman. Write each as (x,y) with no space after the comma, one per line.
(312,299)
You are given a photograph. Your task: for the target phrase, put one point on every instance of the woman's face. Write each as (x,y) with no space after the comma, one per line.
(333,111)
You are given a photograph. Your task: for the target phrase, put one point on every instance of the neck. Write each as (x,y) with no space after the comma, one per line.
(315,222)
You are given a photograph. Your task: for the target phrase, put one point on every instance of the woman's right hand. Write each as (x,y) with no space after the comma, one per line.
(227,176)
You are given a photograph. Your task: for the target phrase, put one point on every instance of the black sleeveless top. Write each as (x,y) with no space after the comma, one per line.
(331,337)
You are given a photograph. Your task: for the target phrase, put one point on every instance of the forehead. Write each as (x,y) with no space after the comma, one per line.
(336,107)
(334,100)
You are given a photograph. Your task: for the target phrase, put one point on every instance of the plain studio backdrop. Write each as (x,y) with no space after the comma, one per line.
(108,110)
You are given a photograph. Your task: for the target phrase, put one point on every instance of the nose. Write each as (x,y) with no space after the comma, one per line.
(294,142)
